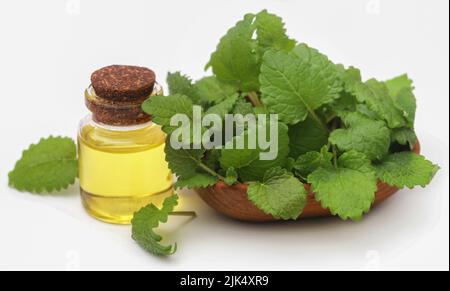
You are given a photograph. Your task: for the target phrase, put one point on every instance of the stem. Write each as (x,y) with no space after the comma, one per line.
(206,168)
(209,171)
(183,213)
(253,96)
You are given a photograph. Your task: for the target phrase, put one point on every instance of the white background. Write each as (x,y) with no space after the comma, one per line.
(48,50)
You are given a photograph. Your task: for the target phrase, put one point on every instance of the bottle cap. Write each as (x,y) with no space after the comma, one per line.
(123,83)
(117,92)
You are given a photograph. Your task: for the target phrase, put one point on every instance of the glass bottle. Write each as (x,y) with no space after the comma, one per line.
(121,152)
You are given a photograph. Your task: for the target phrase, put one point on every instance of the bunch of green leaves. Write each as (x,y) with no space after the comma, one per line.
(337,132)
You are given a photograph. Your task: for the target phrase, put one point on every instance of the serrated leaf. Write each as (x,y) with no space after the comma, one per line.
(212,90)
(271,32)
(401,90)
(347,191)
(280,194)
(399,83)
(237,158)
(50,165)
(163,108)
(351,77)
(376,96)
(405,101)
(406,169)
(199,180)
(356,161)
(183,162)
(247,160)
(294,84)
(362,134)
(224,107)
(181,85)
(311,161)
(146,220)
(235,60)
(306,136)
(256,170)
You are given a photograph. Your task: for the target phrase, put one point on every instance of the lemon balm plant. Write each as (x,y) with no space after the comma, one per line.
(337,132)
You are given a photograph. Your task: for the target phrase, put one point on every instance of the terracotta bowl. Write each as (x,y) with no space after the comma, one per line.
(233,202)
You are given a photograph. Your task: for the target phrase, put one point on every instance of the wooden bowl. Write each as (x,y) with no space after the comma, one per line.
(233,202)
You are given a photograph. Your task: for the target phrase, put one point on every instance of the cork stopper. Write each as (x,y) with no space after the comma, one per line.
(123,83)
(117,93)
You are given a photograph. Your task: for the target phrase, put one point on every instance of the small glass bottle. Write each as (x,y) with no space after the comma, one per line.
(121,152)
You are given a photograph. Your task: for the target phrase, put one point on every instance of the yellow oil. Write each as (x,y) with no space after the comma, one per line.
(122,170)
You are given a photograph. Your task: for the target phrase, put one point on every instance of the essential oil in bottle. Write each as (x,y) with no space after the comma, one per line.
(121,152)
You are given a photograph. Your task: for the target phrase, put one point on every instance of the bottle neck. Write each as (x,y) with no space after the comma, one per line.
(109,127)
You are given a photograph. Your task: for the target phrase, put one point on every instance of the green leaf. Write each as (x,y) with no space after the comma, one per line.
(190,168)
(163,108)
(233,157)
(271,32)
(181,85)
(224,107)
(356,161)
(405,101)
(247,161)
(306,136)
(351,77)
(295,84)
(311,161)
(50,165)
(235,60)
(199,180)
(346,103)
(364,110)
(212,90)
(406,169)
(280,194)
(146,220)
(376,96)
(256,170)
(362,134)
(399,83)
(404,136)
(231,176)
(184,162)
(401,89)
(243,107)
(347,191)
